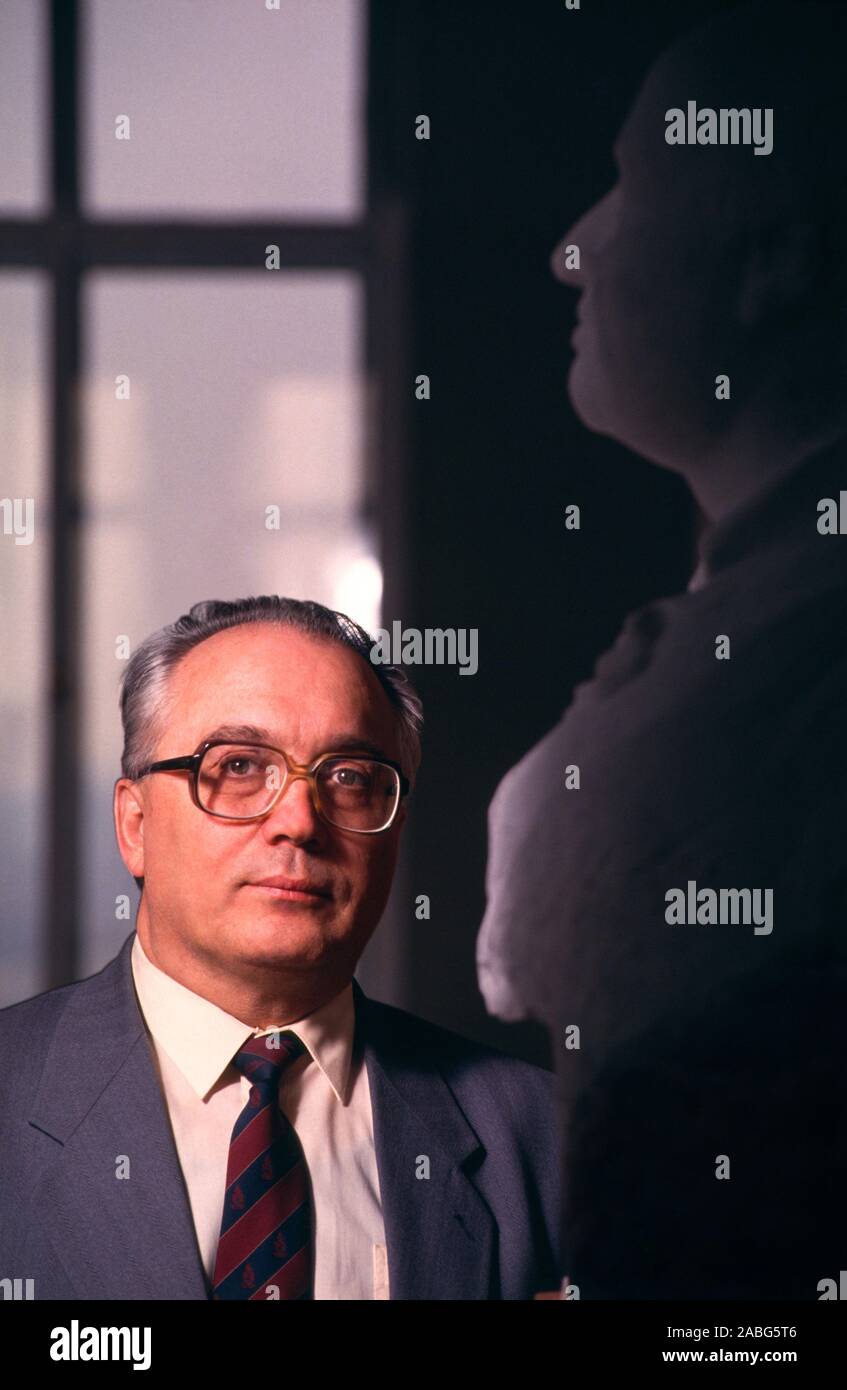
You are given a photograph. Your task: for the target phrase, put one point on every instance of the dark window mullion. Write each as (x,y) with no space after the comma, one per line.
(61,907)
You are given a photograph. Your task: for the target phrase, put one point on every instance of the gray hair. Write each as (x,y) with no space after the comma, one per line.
(144,683)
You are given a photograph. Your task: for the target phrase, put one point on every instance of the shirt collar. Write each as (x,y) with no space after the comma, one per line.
(789,508)
(202,1039)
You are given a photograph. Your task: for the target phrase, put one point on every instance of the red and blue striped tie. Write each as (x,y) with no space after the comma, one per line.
(265,1245)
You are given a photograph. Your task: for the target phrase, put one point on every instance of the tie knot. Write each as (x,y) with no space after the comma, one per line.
(263,1060)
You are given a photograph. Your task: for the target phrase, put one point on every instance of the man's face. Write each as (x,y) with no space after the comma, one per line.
(312,695)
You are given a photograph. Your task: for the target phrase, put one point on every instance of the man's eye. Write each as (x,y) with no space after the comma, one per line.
(350,776)
(232,765)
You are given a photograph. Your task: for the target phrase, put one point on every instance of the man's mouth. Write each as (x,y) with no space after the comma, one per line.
(299,890)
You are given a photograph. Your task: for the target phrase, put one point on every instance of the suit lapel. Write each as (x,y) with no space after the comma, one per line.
(440,1234)
(116,1236)
(132,1237)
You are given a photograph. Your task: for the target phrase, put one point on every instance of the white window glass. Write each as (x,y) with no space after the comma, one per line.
(24,631)
(245,395)
(231,109)
(23,105)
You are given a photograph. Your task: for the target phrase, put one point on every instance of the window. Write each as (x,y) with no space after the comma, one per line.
(214,427)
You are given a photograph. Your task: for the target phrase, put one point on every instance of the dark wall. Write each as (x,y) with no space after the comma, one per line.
(525,102)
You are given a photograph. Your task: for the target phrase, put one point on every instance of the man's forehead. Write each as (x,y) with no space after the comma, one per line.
(238,653)
(278,684)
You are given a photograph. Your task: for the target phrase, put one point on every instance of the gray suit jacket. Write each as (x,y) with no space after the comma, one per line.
(78,1088)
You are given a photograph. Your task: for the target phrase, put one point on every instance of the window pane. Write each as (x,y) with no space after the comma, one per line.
(23,103)
(234,109)
(24,567)
(244,394)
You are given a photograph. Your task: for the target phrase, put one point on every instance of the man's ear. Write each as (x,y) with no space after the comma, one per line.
(128,809)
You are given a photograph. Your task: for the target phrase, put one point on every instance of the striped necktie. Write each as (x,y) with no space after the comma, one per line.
(264,1249)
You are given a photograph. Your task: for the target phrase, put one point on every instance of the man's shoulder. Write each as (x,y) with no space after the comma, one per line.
(461,1060)
(25,1023)
(36,1012)
(507,1103)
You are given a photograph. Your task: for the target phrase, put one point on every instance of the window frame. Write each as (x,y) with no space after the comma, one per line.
(67,244)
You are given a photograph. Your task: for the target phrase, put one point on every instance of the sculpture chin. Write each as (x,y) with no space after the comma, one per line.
(583,399)
(501,997)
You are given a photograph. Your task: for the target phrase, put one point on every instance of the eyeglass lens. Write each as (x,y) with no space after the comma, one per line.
(242,780)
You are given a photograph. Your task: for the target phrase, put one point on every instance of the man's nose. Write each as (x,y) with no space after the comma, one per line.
(294,815)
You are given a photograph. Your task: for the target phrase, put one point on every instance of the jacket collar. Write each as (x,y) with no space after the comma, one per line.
(439,1232)
(125,1230)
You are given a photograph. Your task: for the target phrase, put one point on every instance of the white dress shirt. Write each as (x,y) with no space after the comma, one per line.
(325,1095)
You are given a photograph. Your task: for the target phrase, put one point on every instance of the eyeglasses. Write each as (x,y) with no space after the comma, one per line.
(244,781)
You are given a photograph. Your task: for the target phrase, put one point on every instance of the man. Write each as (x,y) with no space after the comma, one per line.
(681,930)
(221,1111)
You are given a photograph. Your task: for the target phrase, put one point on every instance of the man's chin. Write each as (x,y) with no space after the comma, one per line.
(290,935)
